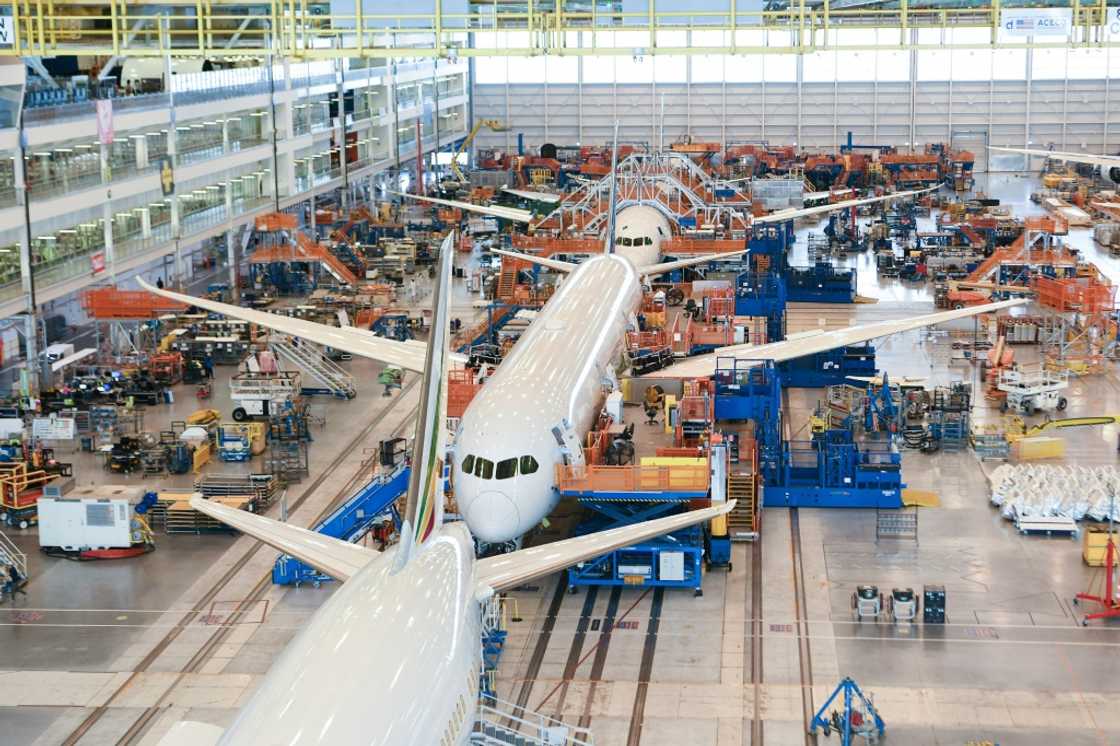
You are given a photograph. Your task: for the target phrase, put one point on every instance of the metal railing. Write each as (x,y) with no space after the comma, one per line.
(291,29)
(11,555)
(500,722)
(600,478)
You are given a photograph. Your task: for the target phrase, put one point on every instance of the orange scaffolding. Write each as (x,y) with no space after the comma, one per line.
(600,478)
(461,390)
(1076,294)
(110,303)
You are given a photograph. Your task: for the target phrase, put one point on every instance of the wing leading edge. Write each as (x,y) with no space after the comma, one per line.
(339,559)
(407,355)
(511,570)
(1104,161)
(809,343)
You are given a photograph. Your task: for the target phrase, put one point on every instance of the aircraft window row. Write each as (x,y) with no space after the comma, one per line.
(450,735)
(507,468)
(636,241)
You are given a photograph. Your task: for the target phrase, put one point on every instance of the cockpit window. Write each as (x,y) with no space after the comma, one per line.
(528,465)
(507,468)
(468,464)
(649,241)
(625,241)
(483,468)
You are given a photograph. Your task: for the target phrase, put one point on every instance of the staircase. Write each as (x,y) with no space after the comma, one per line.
(742,523)
(12,557)
(316,252)
(506,281)
(350,521)
(499,723)
(311,361)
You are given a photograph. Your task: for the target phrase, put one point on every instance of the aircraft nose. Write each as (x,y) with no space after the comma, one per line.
(493,517)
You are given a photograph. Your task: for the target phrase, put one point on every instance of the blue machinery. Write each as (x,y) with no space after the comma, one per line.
(349,521)
(830,471)
(768,250)
(671,561)
(859,718)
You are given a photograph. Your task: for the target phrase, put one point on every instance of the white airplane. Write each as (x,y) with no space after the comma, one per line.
(533,413)
(1109,164)
(394,656)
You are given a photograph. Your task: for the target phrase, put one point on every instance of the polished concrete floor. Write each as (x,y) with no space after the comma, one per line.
(186,632)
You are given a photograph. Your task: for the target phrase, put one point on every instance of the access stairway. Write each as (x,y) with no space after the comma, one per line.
(11,557)
(311,361)
(742,523)
(350,521)
(500,723)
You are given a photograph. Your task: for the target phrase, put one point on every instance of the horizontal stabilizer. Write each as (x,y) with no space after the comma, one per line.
(651,270)
(505,213)
(792,214)
(823,341)
(545,197)
(190,733)
(1104,161)
(511,570)
(339,559)
(361,342)
(555,264)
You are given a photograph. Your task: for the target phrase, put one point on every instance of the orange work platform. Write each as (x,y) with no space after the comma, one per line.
(110,303)
(1079,294)
(601,478)
(461,389)
(277,221)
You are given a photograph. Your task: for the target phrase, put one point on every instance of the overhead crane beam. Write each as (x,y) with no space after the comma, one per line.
(289,29)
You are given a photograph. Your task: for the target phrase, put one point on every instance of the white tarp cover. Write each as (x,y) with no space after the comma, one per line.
(1038,490)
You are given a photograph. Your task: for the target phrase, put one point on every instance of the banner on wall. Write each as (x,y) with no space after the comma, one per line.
(97,262)
(1036,21)
(105,121)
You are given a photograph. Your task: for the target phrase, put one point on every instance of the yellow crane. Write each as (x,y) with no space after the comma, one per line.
(1016,429)
(492,124)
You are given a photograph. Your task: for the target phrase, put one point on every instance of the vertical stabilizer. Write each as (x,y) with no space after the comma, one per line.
(608,248)
(425,487)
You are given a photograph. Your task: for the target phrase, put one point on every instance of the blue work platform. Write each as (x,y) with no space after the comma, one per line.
(670,561)
(350,521)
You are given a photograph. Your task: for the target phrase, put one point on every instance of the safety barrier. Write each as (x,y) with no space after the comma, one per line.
(598,478)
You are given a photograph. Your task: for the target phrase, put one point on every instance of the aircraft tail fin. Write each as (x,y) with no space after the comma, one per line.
(425,487)
(511,570)
(608,247)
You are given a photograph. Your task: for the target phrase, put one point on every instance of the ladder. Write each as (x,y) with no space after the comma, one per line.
(12,557)
(742,522)
(309,358)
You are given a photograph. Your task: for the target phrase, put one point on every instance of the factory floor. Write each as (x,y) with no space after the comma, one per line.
(101,653)
(99,650)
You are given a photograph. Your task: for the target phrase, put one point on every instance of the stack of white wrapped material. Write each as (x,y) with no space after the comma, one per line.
(1039,490)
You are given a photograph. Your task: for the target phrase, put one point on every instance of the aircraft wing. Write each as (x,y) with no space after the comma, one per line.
(556,264)
(407,355)
(1104,161)
(545,197)
(506,213)
(792,214)
(663,267)
(810,343)
(337,558)
(511,570)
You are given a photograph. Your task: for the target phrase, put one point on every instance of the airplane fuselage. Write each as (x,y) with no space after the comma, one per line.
(392,657)
(507,447)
